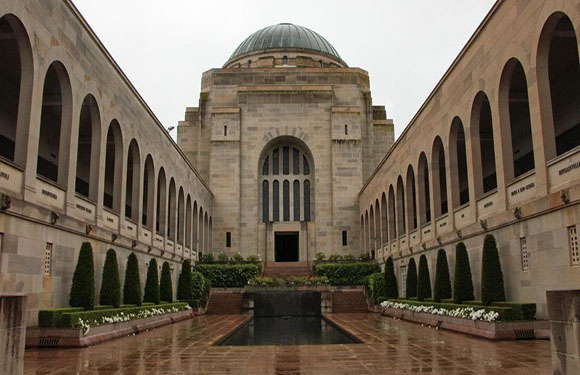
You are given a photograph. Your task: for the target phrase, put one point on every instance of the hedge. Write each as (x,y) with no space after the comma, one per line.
(166,287)
(411,279)
(524,311)
(82,292)
(424,280)
(377,285)
(111,284)
(132,287)
(492,288)
(505,313)
(197,285)
(227,275)
(184,290)
(70,318)
(392,290)
(442,288)
(193,303)
(347,273)
(151,293)
(462,283)
(51,318)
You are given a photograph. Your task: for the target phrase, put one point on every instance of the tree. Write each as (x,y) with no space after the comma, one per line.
(442,279)
(166,288)
(111,284)
(390,279)
(411,279)
(492,289)
(197,285)
(184,287)
(82,291)
(424,280)
(132,287)
(462,282)
(152,283)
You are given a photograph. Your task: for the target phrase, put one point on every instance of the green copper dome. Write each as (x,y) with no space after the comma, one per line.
(285,36)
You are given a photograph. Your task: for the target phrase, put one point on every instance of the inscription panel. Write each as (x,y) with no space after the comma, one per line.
(179,248)
(487,205)
(110,220)
(169,245)
(403,243)
(49,195)
(145,236)
(10,179)
(427,232)
(129,229)
(414,237)
(462,217)
(85,210)
(159,241)
(442,224)
(522,190)
(564,171)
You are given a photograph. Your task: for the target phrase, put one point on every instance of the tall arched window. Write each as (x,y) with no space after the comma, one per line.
(362,234)
(401,222)
(367,232)
(88,148)
(160,220)
(180,217)
(424,191)
(206,233)
(377,224)
(113,168)
(514,107)
(384,219)
(482,145)
(392,216)
(133,182)
(458,159)
(188,222)
(411,199)
(201,231)
(559,85)
(372,235)
(16,72)
(439,177)
(148,193)
(286,168)
(195,226)
(171,210)
(55,125)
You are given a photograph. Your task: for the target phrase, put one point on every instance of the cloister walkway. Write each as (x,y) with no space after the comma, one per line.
(390,347)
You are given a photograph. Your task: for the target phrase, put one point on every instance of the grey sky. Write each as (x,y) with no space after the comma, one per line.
(164,46)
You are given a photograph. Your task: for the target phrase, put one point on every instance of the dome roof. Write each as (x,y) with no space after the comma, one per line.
(285,36)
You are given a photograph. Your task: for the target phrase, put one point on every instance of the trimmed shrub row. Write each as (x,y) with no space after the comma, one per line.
(392,290)
(505,313)
(227,275)
(347,273)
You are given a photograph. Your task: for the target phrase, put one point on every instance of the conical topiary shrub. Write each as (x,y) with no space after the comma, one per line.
(151,293)
(132,287)
(424,280)
(166,287)
(111,284)
(411,279)
(442,279)
(184,287)
(462,282)
(197,285)
(492,289)
(82,291)
(390,280)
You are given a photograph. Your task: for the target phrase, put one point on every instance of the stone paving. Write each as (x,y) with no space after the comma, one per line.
(390,347)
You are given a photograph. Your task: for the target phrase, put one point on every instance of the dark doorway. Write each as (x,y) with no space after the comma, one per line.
(286,246)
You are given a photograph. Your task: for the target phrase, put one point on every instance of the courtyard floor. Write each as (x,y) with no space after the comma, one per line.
(390,347)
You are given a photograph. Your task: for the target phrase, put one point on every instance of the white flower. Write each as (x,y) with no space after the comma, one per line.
(460,312)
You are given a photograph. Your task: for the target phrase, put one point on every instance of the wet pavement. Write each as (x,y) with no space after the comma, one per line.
(390,347)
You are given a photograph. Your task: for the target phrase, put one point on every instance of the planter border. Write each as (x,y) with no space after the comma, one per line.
(73,337)
(513,330)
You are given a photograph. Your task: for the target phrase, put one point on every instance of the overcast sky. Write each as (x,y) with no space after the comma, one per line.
(164,46)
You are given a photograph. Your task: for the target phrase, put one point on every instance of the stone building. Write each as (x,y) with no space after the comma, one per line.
(285,135)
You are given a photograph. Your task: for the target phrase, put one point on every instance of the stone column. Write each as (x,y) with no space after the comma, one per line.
(564,315)
(12,333)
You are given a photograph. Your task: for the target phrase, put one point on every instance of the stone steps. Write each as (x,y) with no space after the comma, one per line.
(225,304)
(349,302)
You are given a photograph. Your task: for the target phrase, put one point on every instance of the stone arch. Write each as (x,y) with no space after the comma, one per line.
(482,144)
(558,74)
(377,224)
(148,193)
(384,219)
(368,247)
(88,149)
(424,189)
(439,177)
(195,227)
(515,120)
(172,211)
(188,221)
(411,199)
(161,218)
(392,215)
(55,125)
(113,167)
(205,232)
(17,75)
(133,182)
(401,222)
(180,217)
(458,164)
(200,242)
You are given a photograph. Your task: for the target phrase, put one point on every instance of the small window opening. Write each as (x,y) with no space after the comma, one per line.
(525,253)
(285,60)
(249,63)
(228,239)
(346,130)
(574,247)
(344,238)
(47,259)
(225,131)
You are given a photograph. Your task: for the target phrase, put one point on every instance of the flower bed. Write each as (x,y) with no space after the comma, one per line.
(290,281)
(485,322)
(347,273)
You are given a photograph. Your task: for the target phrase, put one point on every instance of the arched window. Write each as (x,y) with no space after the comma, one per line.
(195,226)
(514,107)
(392,216)
(291,196)
(113,168)
(171,210)
(133,182)
(424,191)
(411,198)
(401,222)
(180,217)
(55,125)
(439,177)
(372,235)
(160,222)
(482,145)
(559,85)
(89,144)
(16,72)
(285,60)
(188,222)
(367,232)
(377,224)
(201,231)
(458,158)
(148,193)
(362,234)
(210,235)
(384,219)
(206,233)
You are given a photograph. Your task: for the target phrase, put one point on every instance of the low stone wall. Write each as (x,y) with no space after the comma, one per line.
(564,314)
(531,329)
(74,337)
(12,333)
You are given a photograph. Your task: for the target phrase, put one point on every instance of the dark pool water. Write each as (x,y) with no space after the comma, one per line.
(298,330)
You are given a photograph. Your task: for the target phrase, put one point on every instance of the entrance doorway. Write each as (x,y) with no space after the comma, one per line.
(286,246)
